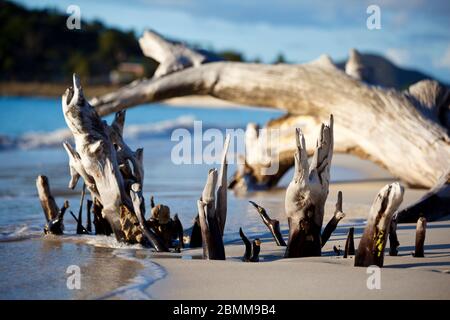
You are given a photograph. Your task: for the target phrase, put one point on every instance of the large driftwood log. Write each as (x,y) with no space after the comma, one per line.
(212,213)
(111,171)
(433,205)
(405,132)
(373,241)
(307,193)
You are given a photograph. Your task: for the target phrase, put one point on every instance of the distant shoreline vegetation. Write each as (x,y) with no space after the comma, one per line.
(49,89)
(38,56)
(36,46)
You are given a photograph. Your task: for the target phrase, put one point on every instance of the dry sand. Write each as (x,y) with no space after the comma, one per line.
(326,277)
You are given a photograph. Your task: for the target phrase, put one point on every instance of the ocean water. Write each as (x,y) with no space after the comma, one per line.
(31,133)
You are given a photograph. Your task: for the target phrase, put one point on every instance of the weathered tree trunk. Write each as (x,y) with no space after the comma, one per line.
(212,213)
(111,171)
(433,205)
(307,193)
(53,216)
(349,243)
(332,224)
(393,240)
(373,241)
(272,224)
(404,132)
(421,229)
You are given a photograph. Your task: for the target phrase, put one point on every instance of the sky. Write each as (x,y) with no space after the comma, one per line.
(414,34)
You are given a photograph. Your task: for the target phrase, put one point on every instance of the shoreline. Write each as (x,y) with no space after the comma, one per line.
(55,90)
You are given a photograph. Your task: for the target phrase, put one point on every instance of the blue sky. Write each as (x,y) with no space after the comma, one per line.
(414,34)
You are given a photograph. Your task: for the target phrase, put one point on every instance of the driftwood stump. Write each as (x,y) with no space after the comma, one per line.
(252,250)
(212,213)
(112,172)
(373,241)
(307,193)
(393,240)
(421,229)
(53,215)
(272,224)
(349,249)
(335,219)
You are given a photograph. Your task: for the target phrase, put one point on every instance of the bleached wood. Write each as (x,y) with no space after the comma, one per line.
(373,241)
(434,205)
(307,193)
(223,187)
(212,211)
(391,128)
(171,56)
(108,166)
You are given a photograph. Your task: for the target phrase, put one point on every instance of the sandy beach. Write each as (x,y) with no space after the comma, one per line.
(326,277)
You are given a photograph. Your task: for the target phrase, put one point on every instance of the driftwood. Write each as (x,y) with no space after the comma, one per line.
(393,240)
(433,205)
(102,226)
(212,213)
(252,250)
(88,212)
(421,229)
(349,249)
(272,224)
(332,224)
(307,193)
(139,209)
(166,228)
(53,215)
(112,172)
(196,234)
(373,241)
(337,250)
(80,228)
(405,132)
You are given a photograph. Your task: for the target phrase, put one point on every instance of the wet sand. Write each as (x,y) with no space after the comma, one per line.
(36,269)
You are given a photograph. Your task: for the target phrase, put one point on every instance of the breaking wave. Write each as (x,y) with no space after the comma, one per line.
(35,140)
(18,232)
